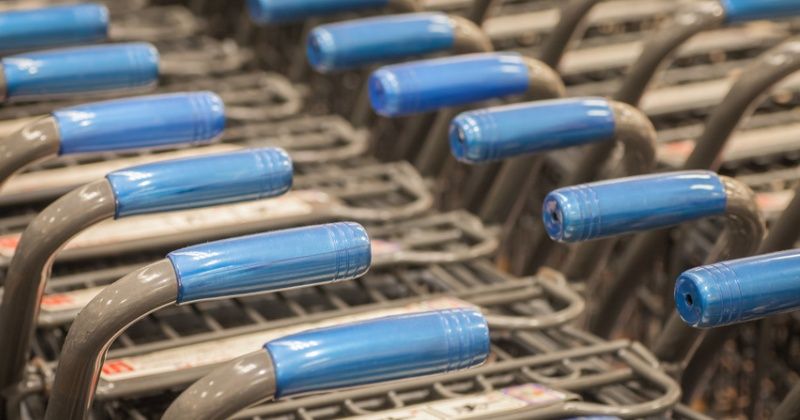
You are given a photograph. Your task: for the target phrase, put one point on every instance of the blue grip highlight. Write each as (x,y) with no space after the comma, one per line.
(626,205)
(355,43)
(52,26)
(739,290)
(201,181)
(746,10)
(272,261)
(78,70)
(283,11)
(507,131)
(428,85)
(379,350)
(142,122)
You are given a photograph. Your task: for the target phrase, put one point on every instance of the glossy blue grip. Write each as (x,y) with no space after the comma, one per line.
(272,261)
(52,26)
(626,205)
(428,85)
(739,290)
(746,10)
(282,11)
(201,181)
(67,71)
(142,122)
(378,350)
(513,130)
(355,43)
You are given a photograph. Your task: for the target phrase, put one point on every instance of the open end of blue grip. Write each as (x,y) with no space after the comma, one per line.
(52,26)
(747,10)
(379,350)
(141,122)
(284,11)
(201,181)
(627,205)
(272,261)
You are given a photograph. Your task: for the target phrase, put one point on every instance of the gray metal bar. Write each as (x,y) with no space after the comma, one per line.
(34,142)
(571,25)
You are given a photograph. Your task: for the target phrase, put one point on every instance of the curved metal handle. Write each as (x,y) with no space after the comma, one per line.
(80,70)
(739,290)
(146,121)
(379,350)
(272,261)
(279,11)
(355,43)
(512,130)
(52,26)
(201,181)
(745,10)
(626,205)
(428,85)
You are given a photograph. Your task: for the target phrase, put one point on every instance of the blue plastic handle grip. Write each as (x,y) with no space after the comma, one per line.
(76,70)
(746,10)
(201,181)
(739,290)
(428,85)
(282,11)
(52,26)
(272,261)
(626,205)
(378,350)
(147,121)
(355,43)
(507,131)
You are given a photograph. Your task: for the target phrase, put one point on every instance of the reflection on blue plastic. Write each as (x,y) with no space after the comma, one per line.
(146,121)
(428,85)
(201,181)
(281,11)
(379,350)
(507,131)
(745,10)
(608,208)
(739,290)
(272,261)
(355,43)
(52,26)
(80,70)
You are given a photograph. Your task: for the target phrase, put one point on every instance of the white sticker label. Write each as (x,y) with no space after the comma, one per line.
(381,247)
(774,202)
(493,403)
(69,301)
(675,153)
(219,351)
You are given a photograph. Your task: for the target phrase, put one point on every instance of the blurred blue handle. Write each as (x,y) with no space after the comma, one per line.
(281,11)
(739,290)
(379,350)
(745,10)
(52,26)
(608,208)
(272,261)
(428,85)
(513,130)
(67,71)
(201,181)
(355,43)
(146,121)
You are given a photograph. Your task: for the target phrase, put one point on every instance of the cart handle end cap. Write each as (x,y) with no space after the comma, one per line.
(284,11)
(53,26)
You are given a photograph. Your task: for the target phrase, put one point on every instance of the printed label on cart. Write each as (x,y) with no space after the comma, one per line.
(381,247)
(69,301)
(774,202)
(219,351)
(506,400)
(675,153)
(8,243)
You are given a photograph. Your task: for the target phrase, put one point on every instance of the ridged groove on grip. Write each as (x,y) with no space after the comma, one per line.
(145,121)
(627,205)
(52,26)
(272,261)
(111,67)
(746,10)
(281,11)
(358,42)
(377,350)
(201,181)
(428,85)
(512,130)
(739,290)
